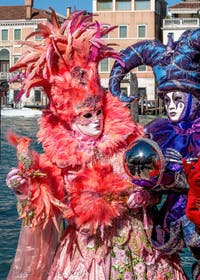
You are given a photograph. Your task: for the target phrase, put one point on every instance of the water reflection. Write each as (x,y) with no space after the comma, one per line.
(9,223)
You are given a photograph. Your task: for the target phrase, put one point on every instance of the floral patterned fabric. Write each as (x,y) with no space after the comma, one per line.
(125,254)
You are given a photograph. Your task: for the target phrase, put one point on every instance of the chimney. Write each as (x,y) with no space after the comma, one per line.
(68,11)
(29,6)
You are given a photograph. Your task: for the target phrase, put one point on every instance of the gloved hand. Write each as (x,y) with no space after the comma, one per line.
(174,176)
(173,160)
(139,198)
(17,183)
(147,184)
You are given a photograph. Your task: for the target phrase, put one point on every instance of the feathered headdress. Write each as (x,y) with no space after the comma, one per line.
(66,63)
(175,65)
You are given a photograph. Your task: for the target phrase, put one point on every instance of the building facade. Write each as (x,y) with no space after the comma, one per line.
(16,23)
(136,20)
(182,16)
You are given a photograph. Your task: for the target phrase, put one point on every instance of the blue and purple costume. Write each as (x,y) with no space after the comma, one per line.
(172,230)
(176,67)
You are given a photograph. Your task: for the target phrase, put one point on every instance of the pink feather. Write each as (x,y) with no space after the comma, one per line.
(97,197)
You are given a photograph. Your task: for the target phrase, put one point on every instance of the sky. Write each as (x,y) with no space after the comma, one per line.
(60,5)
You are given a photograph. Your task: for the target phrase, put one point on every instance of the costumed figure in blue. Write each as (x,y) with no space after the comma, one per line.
(177,71)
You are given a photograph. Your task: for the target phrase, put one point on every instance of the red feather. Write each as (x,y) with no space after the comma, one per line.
(42,205)
(97,196)
(192,171)
(13,139)
(21,143)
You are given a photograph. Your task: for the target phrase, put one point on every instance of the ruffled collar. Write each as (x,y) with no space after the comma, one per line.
(187,127)
(183,137)
(68,151)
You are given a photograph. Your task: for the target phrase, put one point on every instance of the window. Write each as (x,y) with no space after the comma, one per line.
(104,65)
(4,55)
(123,31)
(106,27)
(124,90)
(104,5)
(15,59)
(142,4)
(141,31)
(38,96)
(4,34)
(142,93)
(4,66)
(17,34)
(123,5)
(142,68)
(170,36)
(37,37)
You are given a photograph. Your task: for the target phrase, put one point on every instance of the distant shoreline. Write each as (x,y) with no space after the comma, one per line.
(29,113)
(24,112)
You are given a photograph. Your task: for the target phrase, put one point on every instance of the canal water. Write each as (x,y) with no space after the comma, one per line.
(9,223)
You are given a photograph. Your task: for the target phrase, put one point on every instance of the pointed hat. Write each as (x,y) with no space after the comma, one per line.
(175,65)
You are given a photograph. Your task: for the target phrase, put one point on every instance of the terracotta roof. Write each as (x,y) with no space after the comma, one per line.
(19,12)
(186,5)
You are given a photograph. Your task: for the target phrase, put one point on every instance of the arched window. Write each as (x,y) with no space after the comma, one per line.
(4,60)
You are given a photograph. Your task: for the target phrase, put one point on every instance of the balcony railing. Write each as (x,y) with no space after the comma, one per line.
(181,22)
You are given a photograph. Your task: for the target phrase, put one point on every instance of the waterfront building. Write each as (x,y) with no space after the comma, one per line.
(182,16)
(16,22)
(136,20)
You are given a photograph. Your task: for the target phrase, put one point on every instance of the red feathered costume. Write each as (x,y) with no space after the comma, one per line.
(192,171)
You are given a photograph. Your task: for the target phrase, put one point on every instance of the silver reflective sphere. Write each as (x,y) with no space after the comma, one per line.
(144,162)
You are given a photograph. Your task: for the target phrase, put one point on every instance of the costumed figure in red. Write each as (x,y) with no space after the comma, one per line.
(80,177)
(192,170)
(176,68)
(193,204)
